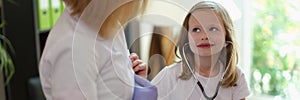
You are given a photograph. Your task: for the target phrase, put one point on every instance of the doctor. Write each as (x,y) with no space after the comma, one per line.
(86,57)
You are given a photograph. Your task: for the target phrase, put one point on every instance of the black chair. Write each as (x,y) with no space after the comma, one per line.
(35,89)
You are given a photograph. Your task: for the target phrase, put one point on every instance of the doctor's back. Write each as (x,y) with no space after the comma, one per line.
(83,60)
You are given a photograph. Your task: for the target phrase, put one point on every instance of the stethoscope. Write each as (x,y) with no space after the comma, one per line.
(198,82)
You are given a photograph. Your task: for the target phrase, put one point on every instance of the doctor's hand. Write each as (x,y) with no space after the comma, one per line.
(138,66)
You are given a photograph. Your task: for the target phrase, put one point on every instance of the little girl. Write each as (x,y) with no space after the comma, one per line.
(208,68)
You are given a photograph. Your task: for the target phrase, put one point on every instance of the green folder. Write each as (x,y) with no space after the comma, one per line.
(62,5)
(55,10)
(43,15)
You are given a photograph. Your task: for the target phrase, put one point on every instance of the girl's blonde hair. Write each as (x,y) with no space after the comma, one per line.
(123,14)
(231,75)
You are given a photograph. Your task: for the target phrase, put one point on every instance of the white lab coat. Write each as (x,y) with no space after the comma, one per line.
(72,68)
(170,87)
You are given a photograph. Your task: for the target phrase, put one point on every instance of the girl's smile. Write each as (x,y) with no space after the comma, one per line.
(205,45)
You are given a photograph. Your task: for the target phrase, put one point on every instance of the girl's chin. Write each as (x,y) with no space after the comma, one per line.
(203,54)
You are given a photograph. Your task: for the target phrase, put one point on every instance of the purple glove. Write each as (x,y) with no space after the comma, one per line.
(143,89)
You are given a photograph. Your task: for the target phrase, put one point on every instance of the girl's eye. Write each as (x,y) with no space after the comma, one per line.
(196,29)
(213,29)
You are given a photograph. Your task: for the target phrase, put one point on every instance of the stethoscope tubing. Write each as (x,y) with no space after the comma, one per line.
(198,82)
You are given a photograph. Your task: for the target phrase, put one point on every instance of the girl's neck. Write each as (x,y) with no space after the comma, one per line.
(207,66)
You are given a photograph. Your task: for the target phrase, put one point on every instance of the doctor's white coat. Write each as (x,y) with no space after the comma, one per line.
(83,66)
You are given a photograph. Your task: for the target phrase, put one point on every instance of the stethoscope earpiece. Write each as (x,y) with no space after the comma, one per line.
(226,43)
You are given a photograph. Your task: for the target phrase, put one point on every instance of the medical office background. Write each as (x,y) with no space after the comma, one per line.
(266,32)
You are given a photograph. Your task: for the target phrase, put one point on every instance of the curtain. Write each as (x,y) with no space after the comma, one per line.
(161,49)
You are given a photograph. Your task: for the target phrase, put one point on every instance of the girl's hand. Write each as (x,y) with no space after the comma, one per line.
(138,66)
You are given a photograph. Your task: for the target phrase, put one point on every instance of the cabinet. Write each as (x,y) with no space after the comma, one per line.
(2,84)
(28,41)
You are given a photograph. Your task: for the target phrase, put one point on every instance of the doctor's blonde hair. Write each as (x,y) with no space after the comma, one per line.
(77,6)
(231,75)
(123,14)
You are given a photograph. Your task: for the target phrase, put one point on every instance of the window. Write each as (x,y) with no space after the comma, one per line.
(275,48)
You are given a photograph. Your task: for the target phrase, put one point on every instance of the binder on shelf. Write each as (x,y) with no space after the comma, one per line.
(43,15)
(55,10)
(62,5)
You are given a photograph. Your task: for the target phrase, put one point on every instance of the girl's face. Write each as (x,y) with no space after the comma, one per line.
(206,33)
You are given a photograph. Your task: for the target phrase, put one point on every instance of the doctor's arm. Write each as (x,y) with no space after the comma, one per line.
(61,81)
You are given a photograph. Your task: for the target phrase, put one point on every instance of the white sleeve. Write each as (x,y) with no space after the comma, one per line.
(164,81)
(59,81)
(160,81)
(45,72)
(57,74)
(242,89)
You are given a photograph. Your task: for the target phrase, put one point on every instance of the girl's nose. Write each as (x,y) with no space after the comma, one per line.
(204,38)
